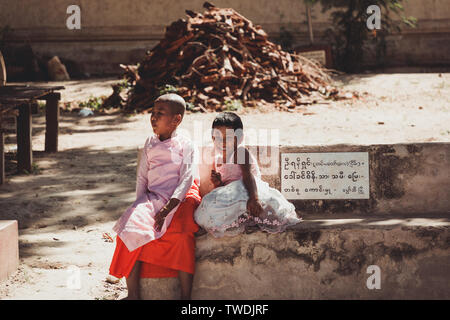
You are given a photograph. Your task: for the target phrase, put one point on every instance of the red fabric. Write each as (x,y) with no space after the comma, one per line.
(175,250)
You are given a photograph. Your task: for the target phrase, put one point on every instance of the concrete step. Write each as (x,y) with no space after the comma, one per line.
(323,258)
(9,248)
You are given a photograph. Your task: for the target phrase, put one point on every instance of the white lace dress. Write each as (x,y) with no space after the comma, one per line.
(223,211)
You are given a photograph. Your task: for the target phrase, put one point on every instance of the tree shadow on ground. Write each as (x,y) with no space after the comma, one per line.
(75,187)
(69,121)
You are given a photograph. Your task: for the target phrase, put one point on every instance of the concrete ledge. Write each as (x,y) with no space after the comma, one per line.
(9,248)
(411,178)
(322,259)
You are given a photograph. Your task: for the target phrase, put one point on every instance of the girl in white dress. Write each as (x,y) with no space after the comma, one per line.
(240,199)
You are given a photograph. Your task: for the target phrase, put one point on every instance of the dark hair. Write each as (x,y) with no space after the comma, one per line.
(175,101)
(228,119)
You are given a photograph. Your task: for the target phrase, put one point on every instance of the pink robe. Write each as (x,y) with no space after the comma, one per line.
(167,170)
(230,171)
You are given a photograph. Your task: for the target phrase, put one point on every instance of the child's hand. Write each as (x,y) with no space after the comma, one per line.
(162,214)
(160,217)
(216,178)
(254,207)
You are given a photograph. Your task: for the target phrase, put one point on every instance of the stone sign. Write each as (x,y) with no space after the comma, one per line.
(333,175)
(317,55)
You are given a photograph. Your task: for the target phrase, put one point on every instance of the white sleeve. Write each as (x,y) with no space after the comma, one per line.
(188,172)
(142,172)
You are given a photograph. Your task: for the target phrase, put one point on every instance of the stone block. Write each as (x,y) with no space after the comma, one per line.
(9,248)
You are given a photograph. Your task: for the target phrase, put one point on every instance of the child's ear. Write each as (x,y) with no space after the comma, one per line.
(177,119)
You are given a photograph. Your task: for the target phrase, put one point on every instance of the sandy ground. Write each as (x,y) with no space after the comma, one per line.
(75,196)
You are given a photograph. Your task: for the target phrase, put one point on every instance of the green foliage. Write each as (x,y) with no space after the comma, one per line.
(94,103)
(233,105)
(168,88)
(350,37)
(35,169)
(189,106)
(124,85)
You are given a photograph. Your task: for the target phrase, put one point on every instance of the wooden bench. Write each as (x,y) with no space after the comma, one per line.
(16,100)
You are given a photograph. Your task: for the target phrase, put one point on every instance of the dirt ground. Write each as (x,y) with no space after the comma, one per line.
(75,196)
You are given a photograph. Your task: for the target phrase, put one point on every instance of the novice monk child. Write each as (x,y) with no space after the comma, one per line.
(240,198)
(157,230)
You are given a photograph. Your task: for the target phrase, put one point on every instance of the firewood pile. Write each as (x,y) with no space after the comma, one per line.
(220,56)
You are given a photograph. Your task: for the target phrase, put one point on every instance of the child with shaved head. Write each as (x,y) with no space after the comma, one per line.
(155,235)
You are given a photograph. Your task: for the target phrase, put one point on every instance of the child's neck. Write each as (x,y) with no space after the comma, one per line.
(165,136)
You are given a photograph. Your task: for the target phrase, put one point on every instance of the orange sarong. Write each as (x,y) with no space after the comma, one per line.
(163,257)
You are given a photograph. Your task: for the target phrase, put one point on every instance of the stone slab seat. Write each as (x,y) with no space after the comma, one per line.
(323,258)
(9,248)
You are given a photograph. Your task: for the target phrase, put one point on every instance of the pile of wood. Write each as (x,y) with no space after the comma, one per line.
(218,56)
